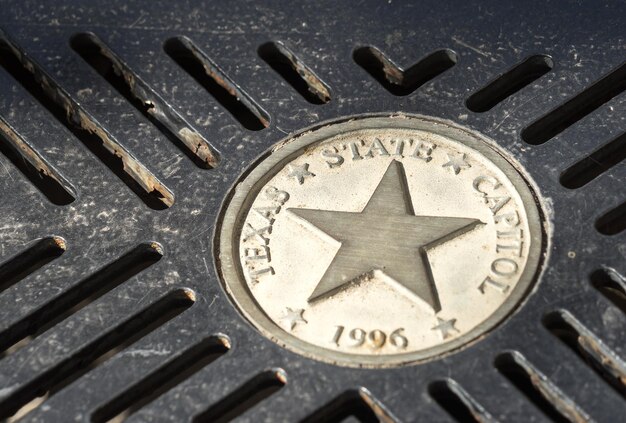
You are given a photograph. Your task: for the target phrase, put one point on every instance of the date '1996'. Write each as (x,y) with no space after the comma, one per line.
(376,338)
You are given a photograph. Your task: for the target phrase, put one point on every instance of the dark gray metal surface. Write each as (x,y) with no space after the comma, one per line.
(107,219)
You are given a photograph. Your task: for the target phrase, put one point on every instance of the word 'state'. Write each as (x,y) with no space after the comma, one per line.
(380,241)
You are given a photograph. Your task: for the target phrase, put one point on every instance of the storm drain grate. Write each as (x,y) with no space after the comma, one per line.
(111,305)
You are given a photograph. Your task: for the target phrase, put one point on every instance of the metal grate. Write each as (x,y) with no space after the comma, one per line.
(123,127)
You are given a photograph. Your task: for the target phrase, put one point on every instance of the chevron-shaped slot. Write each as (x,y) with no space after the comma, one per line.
(138,93)
(244,398)
(199,66)
(576,108)
(83,125)
(509,83)
(397,80)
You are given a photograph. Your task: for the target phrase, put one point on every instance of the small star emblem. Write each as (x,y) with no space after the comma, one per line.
(293,317)
(300,172)
(445,326)
(457,162)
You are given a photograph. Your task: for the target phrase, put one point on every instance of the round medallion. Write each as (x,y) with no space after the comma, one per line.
(380,241)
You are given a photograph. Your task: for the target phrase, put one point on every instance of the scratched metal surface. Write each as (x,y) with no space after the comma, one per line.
(107,219)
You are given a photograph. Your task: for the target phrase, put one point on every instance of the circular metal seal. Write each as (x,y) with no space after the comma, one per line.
(380,241)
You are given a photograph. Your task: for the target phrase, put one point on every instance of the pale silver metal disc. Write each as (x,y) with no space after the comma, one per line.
(380,241)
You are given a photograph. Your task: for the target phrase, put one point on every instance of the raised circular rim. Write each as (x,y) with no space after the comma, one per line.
(264,168)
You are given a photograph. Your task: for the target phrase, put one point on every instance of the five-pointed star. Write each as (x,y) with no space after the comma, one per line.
(445,326)
(293,317)
(386,236)
(457,162)
(300,172)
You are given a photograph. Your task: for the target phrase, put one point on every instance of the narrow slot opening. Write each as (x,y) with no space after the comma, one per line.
(456,402)
(34,167)
(162,380)
(589,348)
(244,398)
(97,352)
(52,97)
(579,106)
(349,404)
(127,83)
(81,295)
(612,285)
(595,164)
(28,261)
(401,82)
(198,65)
(296,73)
(529,384)
(509,83)
(612,222)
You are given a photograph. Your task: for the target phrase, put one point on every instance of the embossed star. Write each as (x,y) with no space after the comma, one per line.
(293,317)
(386,236)
(445,326)
(457,162)
(300,172)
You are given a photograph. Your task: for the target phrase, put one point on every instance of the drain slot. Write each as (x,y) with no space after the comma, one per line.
(81,294)
(28,261)
(296,73)
(458,403)
(595,164)
(84,126)
(589,348)
(584,103)
(358,404)
(538,389)
(244,398)
(612,285)
(162,380)
(613,221)
(171,123)
(34,166)
(398,81)
(100,350)
(198,65)
(511,82)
